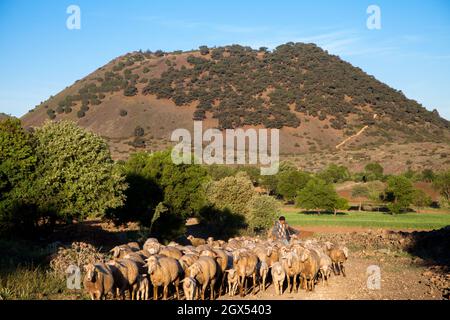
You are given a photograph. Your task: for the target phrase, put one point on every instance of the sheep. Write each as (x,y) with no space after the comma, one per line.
(98,281)
(149,244)
(134,256)
(223,260)
(263,271)
(278,276)
(118,252)
(134,246)
(310,261)
(187,260)
(171,252)
(245,262)
(338,255)
(125,273)
(233,281)
(164,271)
(293,268)
(189,288)
(325,265)
(205,272)
(196,241)
(142,287)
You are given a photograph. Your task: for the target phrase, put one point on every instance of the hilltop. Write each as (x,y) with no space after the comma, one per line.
(317,100)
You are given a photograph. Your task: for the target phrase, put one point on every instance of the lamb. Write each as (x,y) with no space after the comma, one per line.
(205,272)
(245,262)
(233,281)
(189,288)
(338,255)
(125,273)
(142,287)
(98,281)
(163,271)
(196,241)
(293,268)
(278,276)
(263,271)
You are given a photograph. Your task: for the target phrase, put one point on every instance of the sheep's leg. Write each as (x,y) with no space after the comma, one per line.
(241,286)
(342,269)
(205,285)
(155,293)
(254,283)
(289,284)
(264,283)
(211,286)
(177,289)
(165,291)
(295,284)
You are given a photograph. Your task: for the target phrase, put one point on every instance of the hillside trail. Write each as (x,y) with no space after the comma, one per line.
(360,132)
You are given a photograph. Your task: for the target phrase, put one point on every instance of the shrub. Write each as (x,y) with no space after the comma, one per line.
(123,112)
(80,114)
(130,91)
(139,131)
(264,210)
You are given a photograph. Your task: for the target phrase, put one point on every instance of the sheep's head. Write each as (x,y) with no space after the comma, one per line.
(91,272)
(269,251)
(232,275)
(345,251)
(210,241)
(190,237)
(189,285)
(152,264)
(153,247)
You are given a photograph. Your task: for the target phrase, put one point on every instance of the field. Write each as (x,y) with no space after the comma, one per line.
(417,221)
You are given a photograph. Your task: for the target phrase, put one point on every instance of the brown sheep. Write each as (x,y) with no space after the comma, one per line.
(189,288)
(171,252)
(233,281)
(338,255)
(310,260)
(142,287)
(125,273)
(245,262)
(196,241)
(278,276)
(293,268)
(205,272)
(164,271)
(98,281)
(187,260)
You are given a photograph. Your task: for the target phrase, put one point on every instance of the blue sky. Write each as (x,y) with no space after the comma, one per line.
(39,56)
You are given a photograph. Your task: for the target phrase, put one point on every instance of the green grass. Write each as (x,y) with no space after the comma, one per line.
(426,221)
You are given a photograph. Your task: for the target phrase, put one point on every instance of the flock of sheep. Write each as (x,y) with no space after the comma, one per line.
(215,266)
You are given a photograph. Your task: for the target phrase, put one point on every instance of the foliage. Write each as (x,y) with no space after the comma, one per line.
(421,199)
(374,171)
(442,184)
(334,174)
(290,182)
(399,193)
(316,195)
(75,174)
(264,210)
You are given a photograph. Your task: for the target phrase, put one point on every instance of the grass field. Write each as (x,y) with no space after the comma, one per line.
(418,221)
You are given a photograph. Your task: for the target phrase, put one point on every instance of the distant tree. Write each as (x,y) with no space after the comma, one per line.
(428,175)
(317,195)
(399,193)
(290,182)
(130,91)
(340,204)
(334,174)
(442,184)
(374,171)
(360,191)
(421,199)
(75,173)
(204,50)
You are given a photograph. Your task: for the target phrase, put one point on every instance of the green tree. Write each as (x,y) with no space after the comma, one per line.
(334,174)
(317,195)
(399,193)
(340,204)
(75,174)
(374,171)
(428,175)
(17,165)
(421,199)
(264,210)
(232,193)
(442,184)
(290,182)
(360,191)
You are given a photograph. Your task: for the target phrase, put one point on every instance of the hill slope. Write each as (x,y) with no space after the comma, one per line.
(317,99)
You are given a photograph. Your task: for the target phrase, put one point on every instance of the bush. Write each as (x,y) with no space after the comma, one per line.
(139,131)
(264,210)
(123,113)
(80,114)
(130,91)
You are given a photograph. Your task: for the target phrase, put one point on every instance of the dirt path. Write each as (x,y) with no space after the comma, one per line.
(399,281)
